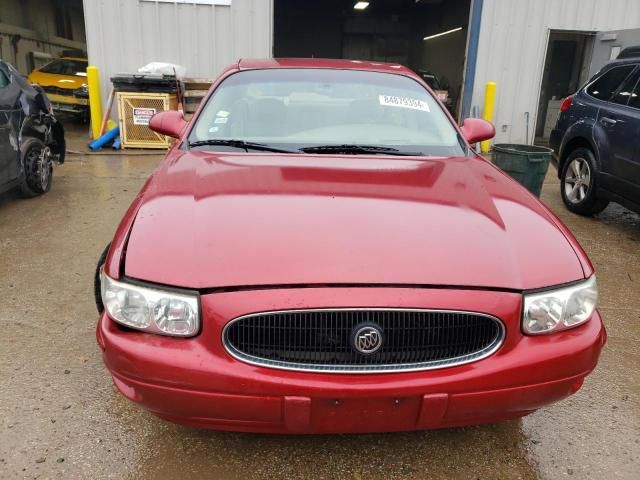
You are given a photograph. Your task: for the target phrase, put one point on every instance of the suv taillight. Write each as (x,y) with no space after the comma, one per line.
(566,104)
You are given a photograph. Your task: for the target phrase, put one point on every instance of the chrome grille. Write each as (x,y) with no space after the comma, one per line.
(322,340)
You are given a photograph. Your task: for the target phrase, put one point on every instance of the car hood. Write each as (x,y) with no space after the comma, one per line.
(208,220)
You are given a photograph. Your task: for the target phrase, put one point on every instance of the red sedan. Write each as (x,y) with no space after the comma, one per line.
(322,251)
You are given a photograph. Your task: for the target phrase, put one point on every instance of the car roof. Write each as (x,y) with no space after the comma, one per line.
(325,63)
(622,61)
(633,52)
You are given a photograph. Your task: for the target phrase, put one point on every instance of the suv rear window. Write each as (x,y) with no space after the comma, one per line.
(634,101)
(624,93)
(604,87)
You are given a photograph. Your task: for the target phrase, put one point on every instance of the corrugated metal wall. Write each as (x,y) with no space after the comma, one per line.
(512,48)
(123,35)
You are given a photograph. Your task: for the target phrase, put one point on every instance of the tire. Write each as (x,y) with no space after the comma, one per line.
(83,117)
(97,295)
(578,183)
(38,168)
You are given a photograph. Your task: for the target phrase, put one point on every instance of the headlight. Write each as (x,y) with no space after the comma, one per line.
(152,310)
(555,310)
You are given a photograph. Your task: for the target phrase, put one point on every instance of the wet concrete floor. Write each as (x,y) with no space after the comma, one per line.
(60,417)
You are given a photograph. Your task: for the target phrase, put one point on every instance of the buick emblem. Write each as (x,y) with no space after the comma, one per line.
(367,339)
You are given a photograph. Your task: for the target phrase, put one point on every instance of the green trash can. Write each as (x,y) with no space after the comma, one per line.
(527,164)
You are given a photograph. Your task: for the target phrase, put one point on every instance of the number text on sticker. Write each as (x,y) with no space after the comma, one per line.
(403,102)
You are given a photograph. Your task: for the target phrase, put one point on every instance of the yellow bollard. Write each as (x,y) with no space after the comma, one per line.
(487,112)
(95,103)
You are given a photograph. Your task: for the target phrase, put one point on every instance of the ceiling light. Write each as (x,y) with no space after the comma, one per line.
(443,33)
(360,5)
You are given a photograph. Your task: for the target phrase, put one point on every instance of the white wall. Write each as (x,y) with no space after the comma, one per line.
(512,48)
(123,35)
(602,48)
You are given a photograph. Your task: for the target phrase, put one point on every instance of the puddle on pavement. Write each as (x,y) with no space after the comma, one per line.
(590,435)
(489,451)
(594,434)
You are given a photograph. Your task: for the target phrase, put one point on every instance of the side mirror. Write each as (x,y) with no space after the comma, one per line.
(477,130)
(170,123)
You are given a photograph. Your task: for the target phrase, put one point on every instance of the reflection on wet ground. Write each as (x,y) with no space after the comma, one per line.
(60,416)
(494,451)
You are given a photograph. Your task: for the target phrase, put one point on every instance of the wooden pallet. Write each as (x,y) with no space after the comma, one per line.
(197,83)
(195,89)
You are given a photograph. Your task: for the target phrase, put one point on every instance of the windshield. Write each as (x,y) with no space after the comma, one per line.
(302,108)
(65,66)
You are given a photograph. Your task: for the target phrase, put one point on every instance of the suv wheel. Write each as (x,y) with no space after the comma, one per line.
(578,183)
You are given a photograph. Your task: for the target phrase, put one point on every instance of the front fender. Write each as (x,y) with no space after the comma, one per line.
(48,130)
(33,129)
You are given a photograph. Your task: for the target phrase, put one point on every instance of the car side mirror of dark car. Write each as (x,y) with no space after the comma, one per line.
(170,123)
(477,130)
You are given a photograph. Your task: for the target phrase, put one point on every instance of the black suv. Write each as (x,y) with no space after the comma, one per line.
(597,141)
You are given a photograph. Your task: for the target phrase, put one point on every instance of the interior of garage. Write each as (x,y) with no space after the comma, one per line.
(425,35)
(566,68)
(33,32)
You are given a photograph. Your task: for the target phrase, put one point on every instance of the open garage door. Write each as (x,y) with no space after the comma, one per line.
(566,67)
(428,36)
(572,59)
(34,32)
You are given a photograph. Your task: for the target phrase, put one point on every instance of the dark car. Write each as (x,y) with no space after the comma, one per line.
(596,141)
(31,139)
(441,89)
(630,52)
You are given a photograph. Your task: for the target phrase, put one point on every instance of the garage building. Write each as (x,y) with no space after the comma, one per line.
(536,51)
(32,32)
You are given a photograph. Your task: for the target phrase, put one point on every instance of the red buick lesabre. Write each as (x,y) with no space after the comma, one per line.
(322,251)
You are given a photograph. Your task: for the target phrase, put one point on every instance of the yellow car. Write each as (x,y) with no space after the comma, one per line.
(65,82)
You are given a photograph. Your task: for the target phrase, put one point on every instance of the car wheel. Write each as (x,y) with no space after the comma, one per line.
(578,184)
(97,295)
(38,168)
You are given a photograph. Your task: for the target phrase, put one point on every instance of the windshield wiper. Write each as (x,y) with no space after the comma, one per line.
(240,144)
(358,149)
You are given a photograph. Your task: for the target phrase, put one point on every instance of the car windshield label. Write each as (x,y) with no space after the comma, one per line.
(403,102)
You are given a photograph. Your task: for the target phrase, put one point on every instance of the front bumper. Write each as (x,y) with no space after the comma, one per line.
(68,104)
(196,382)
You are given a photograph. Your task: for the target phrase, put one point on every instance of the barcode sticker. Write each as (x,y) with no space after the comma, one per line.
(403,102)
